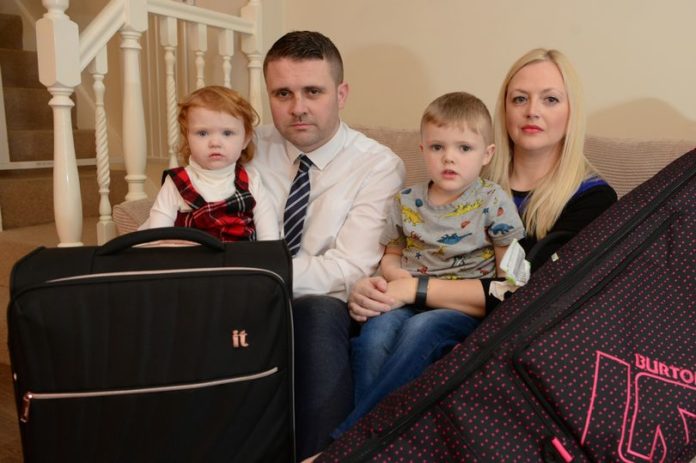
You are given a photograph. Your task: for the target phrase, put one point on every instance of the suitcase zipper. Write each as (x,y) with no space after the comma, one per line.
(29,396)
(373,445)
(162,272)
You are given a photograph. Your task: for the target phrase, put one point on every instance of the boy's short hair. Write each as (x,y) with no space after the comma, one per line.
(460,108)
(305,45)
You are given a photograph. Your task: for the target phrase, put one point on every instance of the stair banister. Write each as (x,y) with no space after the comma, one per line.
(64,53)
(169,40)
(134,136)
(100,30)
(106,228)
(195,14)
(226,51)
(58,44)
(198,39)
(252,46)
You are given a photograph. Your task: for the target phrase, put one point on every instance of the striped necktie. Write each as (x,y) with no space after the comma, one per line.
(296,205)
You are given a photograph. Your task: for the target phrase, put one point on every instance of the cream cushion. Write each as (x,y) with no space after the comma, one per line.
(129,215)
(625,164)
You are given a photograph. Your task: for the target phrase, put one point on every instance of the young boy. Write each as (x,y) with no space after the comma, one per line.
(455,226)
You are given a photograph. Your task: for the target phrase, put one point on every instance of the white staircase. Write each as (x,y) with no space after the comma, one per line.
(64,52)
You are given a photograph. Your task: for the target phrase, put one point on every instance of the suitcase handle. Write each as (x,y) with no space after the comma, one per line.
(129,240)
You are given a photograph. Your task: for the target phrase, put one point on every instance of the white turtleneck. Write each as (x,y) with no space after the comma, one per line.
(214,185)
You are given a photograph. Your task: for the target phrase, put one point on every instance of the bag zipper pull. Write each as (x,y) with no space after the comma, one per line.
(553,451)
(26,403)
(560,448)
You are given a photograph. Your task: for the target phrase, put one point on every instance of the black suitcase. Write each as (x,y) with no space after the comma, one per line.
(125,353)
(593,360)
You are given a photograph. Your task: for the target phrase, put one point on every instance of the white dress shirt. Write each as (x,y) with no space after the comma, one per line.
(353,181)
(214,186)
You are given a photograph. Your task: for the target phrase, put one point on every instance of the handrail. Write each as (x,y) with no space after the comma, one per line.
(110,19)
(195,14)
(99,31)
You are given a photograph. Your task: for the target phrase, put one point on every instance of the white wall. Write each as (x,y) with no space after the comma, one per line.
(636,58)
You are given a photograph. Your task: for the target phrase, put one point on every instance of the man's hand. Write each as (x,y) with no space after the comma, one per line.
(368,298)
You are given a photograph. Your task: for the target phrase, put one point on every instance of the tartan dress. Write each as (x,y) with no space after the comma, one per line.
(231,219)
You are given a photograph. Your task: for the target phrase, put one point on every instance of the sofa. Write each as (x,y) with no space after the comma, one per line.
(624,163)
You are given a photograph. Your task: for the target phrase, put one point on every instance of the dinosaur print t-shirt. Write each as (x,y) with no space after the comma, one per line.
(455,240)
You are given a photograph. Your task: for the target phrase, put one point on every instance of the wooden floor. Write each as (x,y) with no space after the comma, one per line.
(10,446)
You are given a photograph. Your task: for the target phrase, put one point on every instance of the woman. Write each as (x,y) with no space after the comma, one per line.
(539,135)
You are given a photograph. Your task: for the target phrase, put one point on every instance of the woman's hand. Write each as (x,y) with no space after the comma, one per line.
(368,298)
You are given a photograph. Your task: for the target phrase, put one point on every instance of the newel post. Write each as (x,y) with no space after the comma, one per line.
(58,49)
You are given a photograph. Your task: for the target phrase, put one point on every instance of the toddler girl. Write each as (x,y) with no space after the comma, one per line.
(217,191)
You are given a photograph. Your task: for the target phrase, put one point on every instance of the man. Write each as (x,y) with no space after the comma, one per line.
(336,233)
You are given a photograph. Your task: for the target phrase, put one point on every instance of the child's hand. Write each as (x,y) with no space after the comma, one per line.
(403,291)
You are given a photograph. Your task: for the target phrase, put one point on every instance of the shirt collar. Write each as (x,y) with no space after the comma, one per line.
(323,155)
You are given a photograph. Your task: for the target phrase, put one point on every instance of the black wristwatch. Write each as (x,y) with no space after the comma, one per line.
(422,292)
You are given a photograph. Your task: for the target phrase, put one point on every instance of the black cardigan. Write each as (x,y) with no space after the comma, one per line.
(582,209)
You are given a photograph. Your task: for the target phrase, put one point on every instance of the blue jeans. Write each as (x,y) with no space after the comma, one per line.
(396,347)
(323,380)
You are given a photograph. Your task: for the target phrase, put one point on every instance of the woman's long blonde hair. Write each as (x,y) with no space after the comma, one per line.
(549,197)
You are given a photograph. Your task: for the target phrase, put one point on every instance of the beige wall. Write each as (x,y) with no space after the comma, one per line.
(636,58)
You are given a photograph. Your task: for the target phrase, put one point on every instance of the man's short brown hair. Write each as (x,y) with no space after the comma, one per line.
(305,45)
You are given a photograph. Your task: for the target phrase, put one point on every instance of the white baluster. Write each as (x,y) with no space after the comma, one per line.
(185,85)
(226,50)
(168,39)
(134,137)
(252,46)
(57,40)
(106,228)
(199,44)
